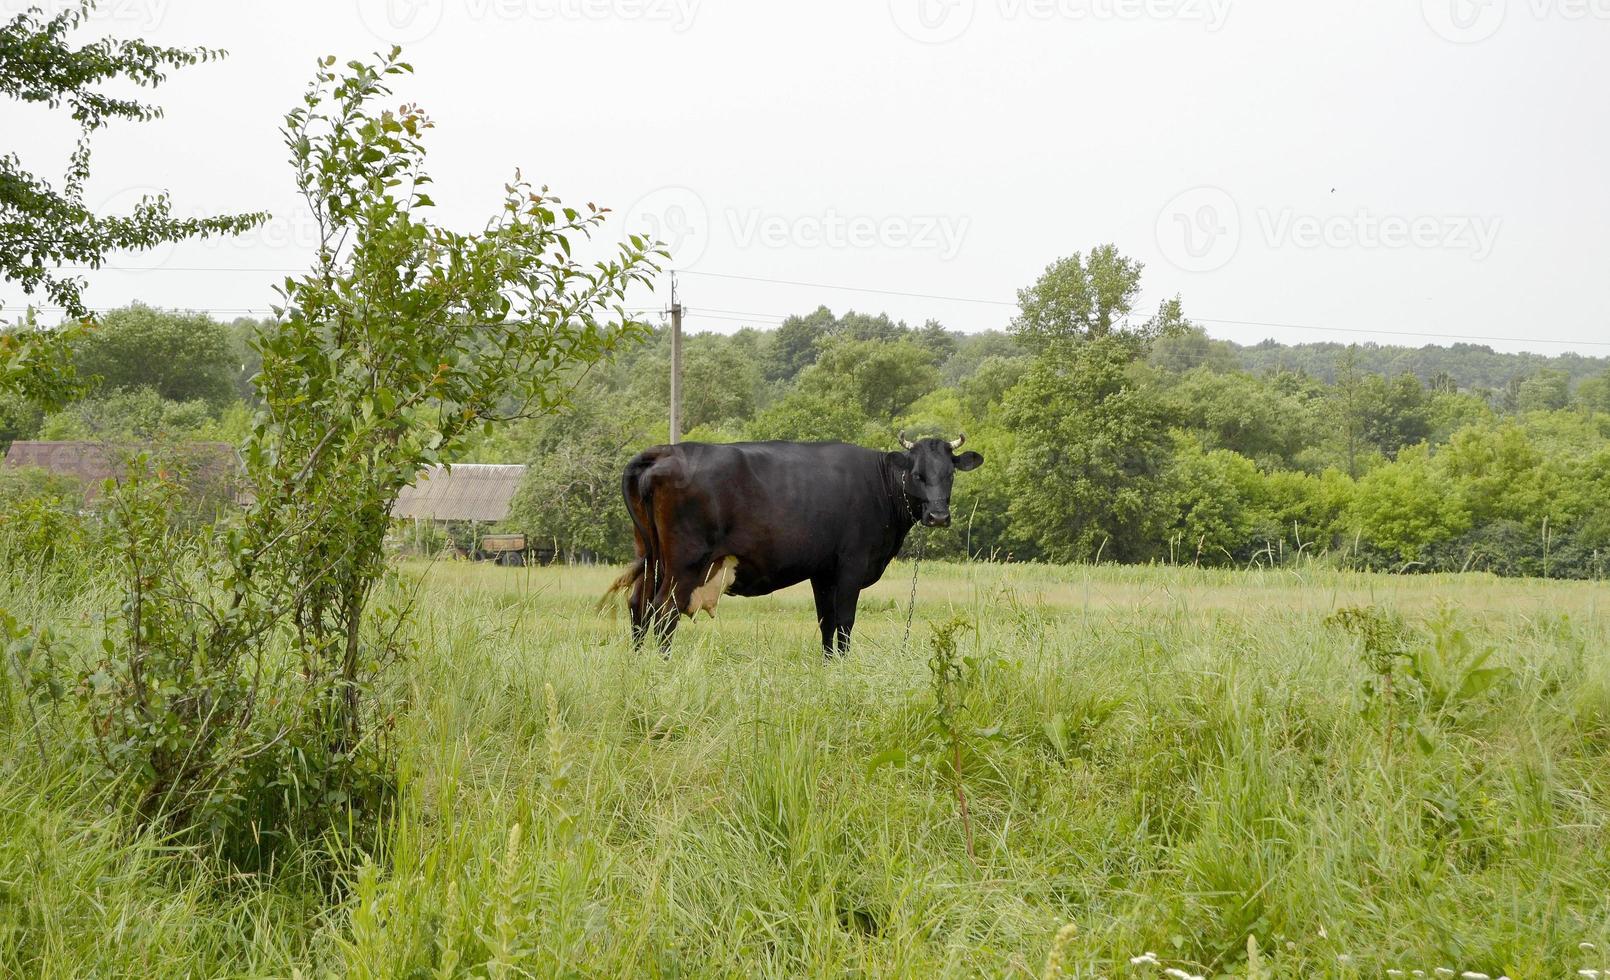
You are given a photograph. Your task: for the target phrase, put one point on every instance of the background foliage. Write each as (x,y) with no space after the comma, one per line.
(1152,442)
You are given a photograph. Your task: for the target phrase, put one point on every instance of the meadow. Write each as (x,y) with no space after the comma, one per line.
(1156,763)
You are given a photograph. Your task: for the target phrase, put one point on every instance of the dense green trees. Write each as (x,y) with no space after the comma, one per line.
(1077,298)
(1146,443)
(181,357)
(1092,449)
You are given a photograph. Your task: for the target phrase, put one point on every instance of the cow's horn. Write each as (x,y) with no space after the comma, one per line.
(904,442)
(956,444)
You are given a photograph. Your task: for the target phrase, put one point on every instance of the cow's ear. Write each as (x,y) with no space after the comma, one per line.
(899,461)
(969,461)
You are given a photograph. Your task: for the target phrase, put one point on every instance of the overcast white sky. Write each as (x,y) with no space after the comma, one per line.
(1435,167)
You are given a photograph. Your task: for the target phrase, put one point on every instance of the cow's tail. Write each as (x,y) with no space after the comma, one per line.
(645,564)
(628,578)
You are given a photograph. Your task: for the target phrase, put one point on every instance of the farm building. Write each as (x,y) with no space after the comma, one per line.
(210,470)
(473,494)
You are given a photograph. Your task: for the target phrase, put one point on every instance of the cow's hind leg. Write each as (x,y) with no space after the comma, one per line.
(637,604)
(674,599)
(663,614)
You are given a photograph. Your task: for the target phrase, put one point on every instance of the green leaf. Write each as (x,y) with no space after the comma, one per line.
(896,756)
(1479,681)
(1425,739)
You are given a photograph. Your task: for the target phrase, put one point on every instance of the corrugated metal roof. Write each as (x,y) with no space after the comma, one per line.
(467,492)
(93,463)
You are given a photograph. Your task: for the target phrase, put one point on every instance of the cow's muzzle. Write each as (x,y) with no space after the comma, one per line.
(936,518)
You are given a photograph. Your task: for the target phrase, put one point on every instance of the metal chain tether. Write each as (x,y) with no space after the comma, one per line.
(911,606)
(916,564)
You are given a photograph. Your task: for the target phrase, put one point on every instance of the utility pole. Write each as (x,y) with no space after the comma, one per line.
(676,364)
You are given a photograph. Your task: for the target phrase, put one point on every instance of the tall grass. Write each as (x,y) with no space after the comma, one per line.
(1175,760)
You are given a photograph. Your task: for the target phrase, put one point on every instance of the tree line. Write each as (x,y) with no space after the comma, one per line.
(1110,435)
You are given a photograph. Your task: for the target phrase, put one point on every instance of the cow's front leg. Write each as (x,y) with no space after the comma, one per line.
(823,588)
(846,594)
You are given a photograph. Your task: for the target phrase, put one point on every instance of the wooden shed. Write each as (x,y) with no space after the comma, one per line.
(480,492)
(475,494)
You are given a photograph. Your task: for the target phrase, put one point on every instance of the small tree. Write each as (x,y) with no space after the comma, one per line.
(1087,475)
(403,340)
(1407,506)
(1078,298)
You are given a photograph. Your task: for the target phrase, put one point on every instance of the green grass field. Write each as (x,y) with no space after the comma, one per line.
(1170,760)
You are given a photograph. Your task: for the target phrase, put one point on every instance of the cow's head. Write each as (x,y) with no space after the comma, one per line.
(926,468)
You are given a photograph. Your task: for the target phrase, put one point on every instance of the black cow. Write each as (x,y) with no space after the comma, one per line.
(750,518)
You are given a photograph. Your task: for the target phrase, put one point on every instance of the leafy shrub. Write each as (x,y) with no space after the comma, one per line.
(245,704)
(1215,498)
(41,520)
(1405,507)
